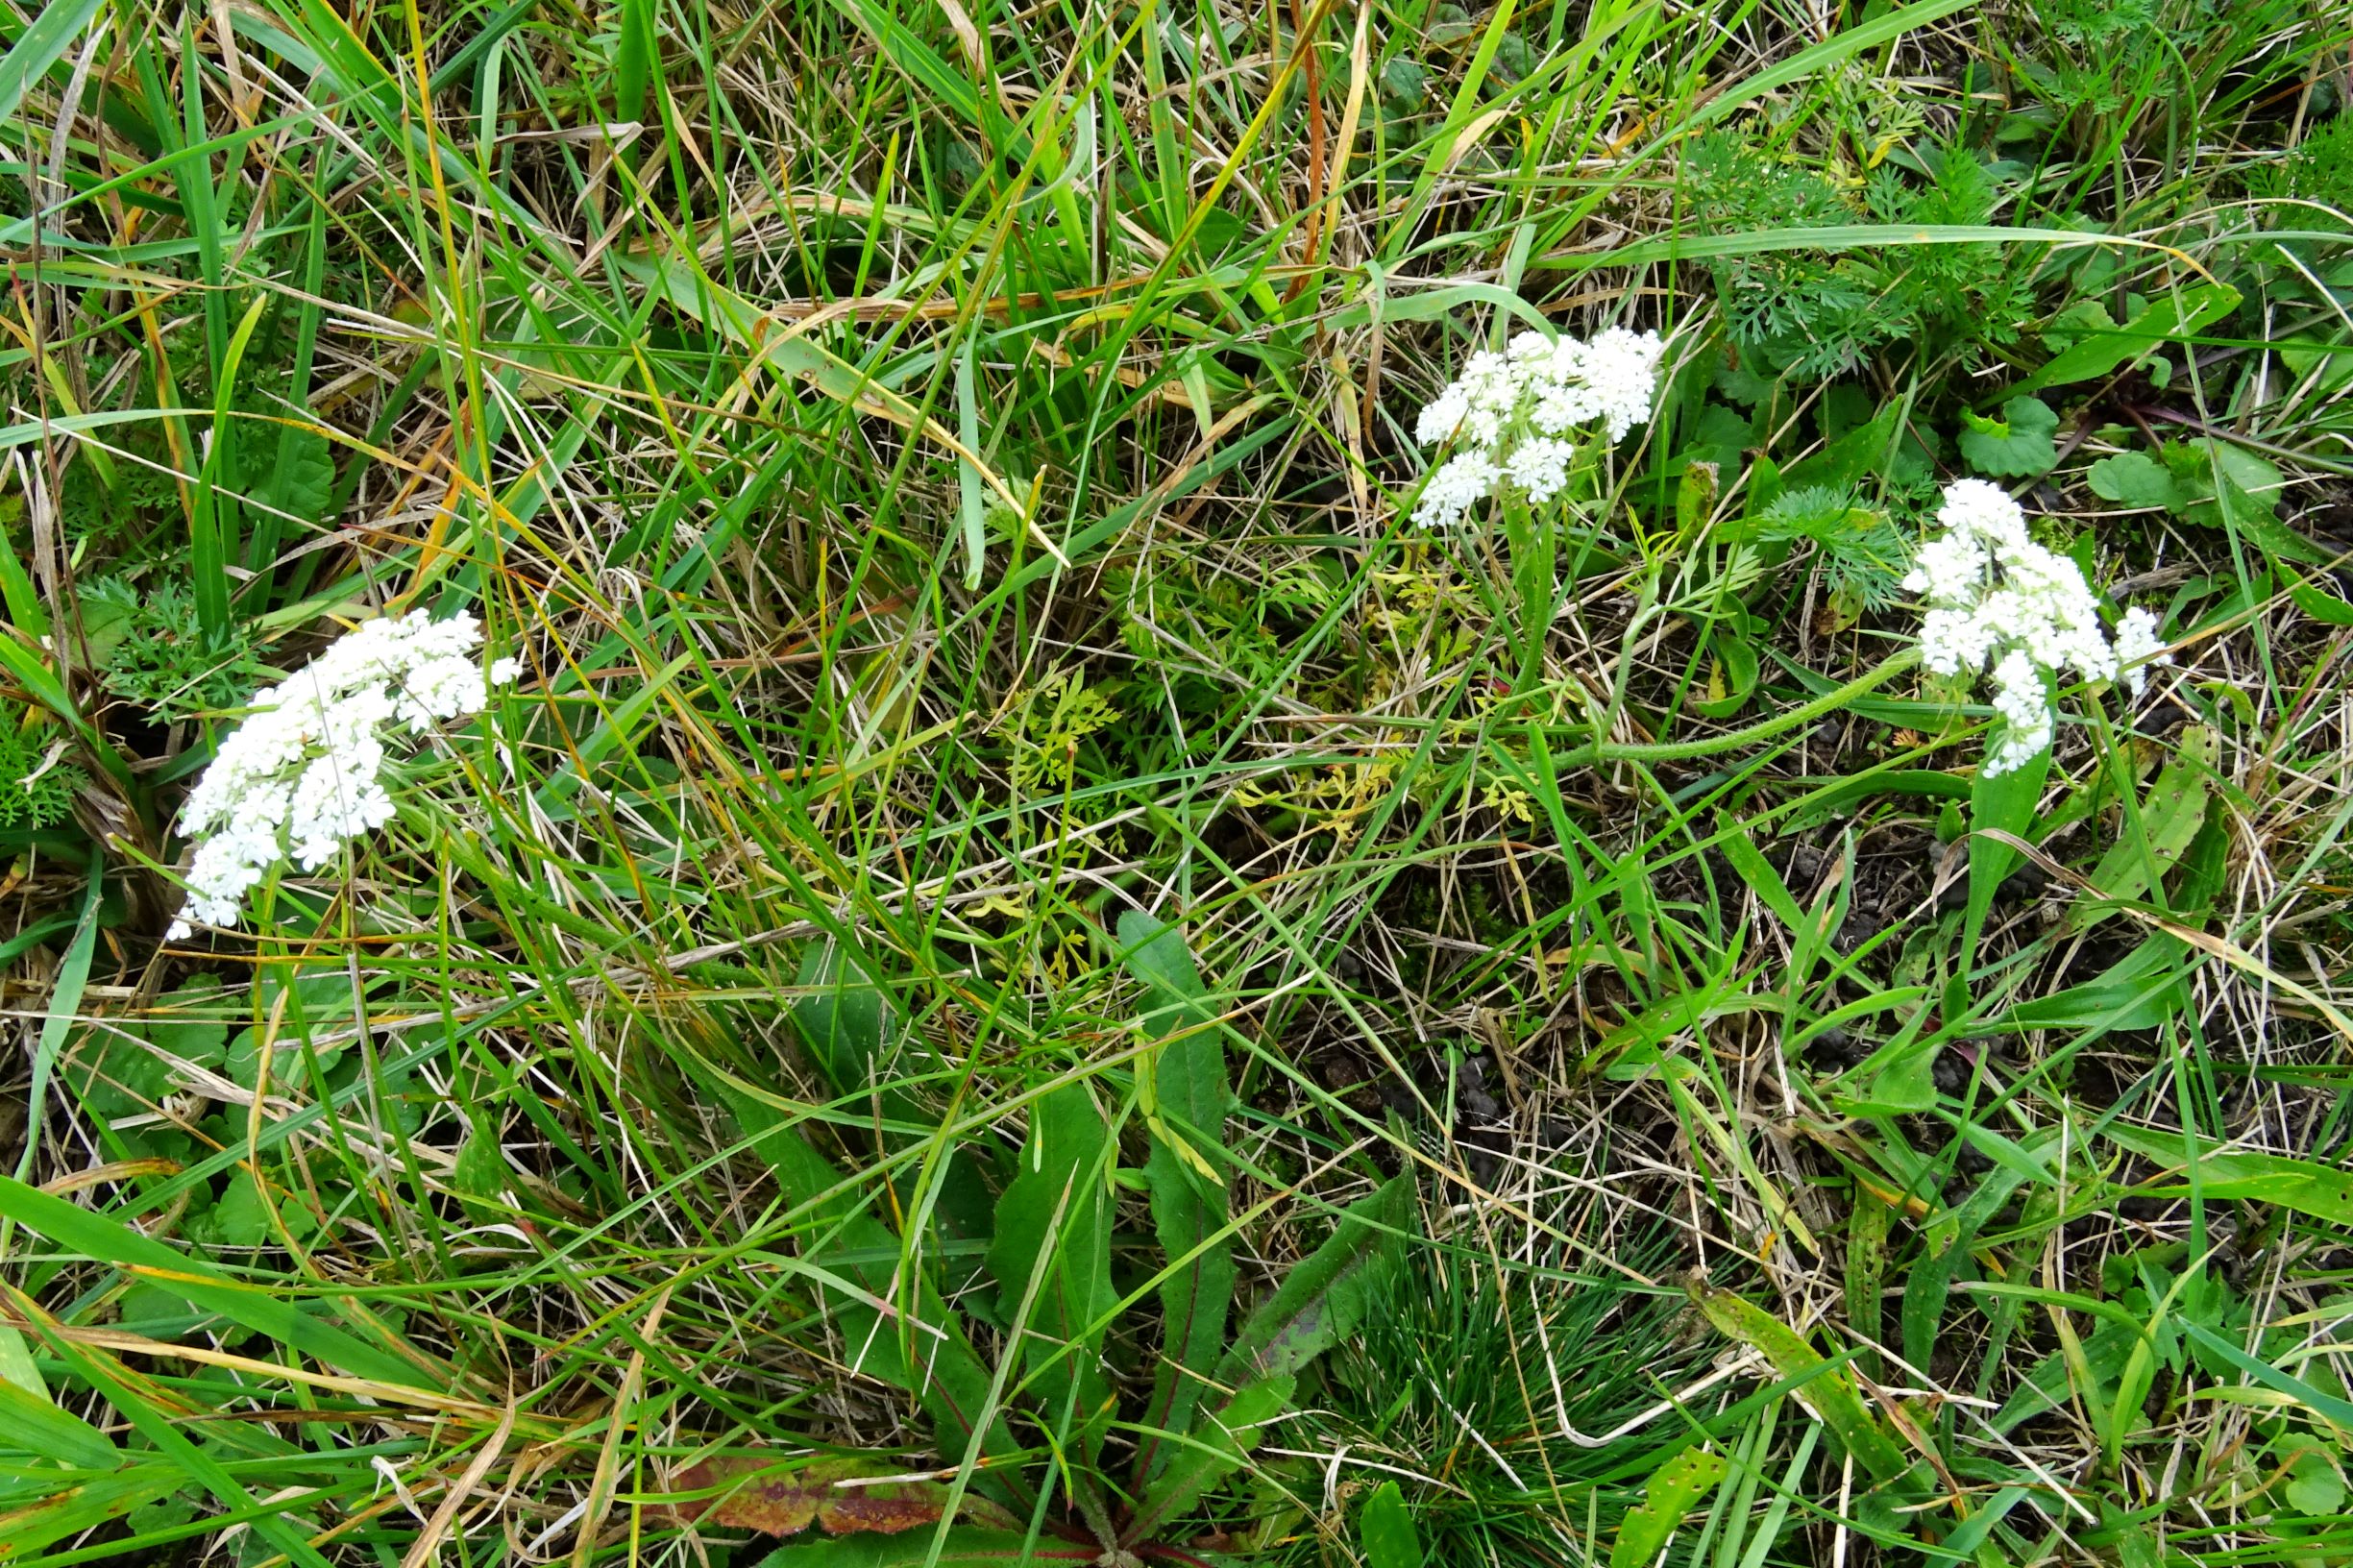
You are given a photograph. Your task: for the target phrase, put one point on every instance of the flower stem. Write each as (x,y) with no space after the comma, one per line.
(1796,717)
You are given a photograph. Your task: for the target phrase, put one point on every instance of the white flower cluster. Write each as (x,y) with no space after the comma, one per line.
(1515,410)
(1994,595)
(303,773)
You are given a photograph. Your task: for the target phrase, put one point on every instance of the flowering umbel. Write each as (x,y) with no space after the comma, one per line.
(1995,595)
(1516,414)
(303,775)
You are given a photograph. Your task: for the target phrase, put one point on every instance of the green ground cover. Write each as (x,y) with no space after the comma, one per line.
(1023,966)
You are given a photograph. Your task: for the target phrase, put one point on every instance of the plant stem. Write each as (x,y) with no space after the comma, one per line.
(1714,745)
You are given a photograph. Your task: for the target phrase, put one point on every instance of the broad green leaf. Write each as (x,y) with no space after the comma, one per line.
(1189,1208)
(115,1074)
(2223,485)
(1828,1390)
(1325,1294)
(2174,315)
(1056,1217)
(2172,814)
(2313,1484)
(1999,804)
(845,1022)
(1733,674)
(1758,876)
(1929,1284)
(1666,1497)
(852,1030)
(301,482)
(2135,478)
(192,1279)
(2019,443)
(2320,604)
(2139,990)
(921,1344)
(1385,1529)
(1211,1454)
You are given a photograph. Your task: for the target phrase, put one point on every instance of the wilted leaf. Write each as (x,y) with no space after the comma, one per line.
(838,1496)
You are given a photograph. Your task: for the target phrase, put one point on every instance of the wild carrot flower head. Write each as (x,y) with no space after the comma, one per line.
(303,775)
(1515,411)
(1996,597)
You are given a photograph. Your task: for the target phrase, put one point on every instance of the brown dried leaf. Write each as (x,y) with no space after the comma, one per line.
(840,1496)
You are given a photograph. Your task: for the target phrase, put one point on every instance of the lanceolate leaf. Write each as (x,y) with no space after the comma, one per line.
(2324,1192)
(2173,316)
(921,1346)
(1669,1494)
(1387,1530)
(1189,1208)
(848,1023)
(1324,1297)
(1831,1392)
(1210,1455)
(1058,1210)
